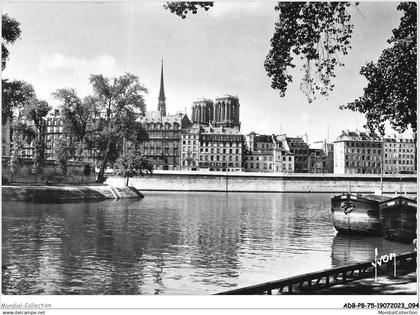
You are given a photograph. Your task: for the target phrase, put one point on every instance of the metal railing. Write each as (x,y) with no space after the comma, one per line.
(324,278)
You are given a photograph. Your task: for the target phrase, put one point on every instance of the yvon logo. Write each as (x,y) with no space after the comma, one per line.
(383,259)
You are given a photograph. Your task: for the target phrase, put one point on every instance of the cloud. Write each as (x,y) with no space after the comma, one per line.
(58,62)
(72,72)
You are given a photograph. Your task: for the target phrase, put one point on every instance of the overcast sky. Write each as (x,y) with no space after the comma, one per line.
(218,52)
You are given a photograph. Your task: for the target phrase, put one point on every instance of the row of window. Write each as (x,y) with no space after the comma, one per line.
(403,168)
(406,143)
(399,162)
(364,144)
(214,138)
(395,155)
(363,157)
(171,135)
(267,158)
(219,158)
(211,150)
(189,136)
(363,164)
(158,144)
(364,151)
(160,126)
(398,150)
(166,151)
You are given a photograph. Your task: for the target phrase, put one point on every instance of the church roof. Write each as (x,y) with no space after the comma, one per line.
(220,130)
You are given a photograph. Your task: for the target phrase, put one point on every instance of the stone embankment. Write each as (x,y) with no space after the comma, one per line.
(269,182)
(68,193)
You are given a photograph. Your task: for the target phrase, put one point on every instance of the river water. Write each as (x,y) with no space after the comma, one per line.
(173,243)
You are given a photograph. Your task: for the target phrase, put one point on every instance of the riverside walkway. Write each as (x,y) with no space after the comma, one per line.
(352,279)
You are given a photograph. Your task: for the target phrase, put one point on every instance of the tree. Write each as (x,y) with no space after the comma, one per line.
(61,155)
(21,133)
(126,131)
(183,8)
(130,130)
(116,97)
(391,92)
(16,95)
(131,165)
(10,33)
(318,33)
(76,115)
(36,111)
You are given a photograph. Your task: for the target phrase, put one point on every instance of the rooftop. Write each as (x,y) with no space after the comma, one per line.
(347,135)
(220,130)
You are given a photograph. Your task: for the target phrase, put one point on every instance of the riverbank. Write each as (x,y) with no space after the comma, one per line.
(269,182)
(59,193)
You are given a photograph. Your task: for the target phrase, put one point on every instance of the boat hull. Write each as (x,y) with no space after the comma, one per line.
(399,219)
(356,214)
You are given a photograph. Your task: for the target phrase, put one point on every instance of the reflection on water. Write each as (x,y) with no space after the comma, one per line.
(353,249)
(173,243)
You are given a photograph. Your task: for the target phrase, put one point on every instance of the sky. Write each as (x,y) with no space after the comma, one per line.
(210,54)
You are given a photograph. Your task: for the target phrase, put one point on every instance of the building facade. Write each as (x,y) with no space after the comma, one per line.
(300,150)
(190,148)
(53,131)
(399,155)
(357,153)
(266,153)
(321,157)
(317,161)
(220,149)
(163,149)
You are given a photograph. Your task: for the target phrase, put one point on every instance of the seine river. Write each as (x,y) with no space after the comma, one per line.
(173,243)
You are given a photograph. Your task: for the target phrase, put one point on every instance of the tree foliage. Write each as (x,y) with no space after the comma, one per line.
(76,115)
(128,128)
(16,95)
(21,134)
(39,156)
(391,92)
(36,111)
(117,97)
(10,31)
(182,8)
(317,32)
(61,156)
(133,164)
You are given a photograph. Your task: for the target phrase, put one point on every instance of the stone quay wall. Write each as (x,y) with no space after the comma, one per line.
(51,194)
(24,173)
(258,182)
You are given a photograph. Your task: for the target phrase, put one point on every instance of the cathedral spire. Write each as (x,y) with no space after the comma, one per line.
(162,99)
